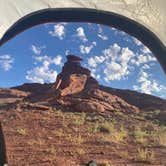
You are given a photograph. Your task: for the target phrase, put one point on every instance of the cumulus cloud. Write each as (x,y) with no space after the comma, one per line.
(146,85)
(118,32)
(87,49)
(36,50)
(145,66)
(81,34)
(44,73)
(41,75)
(101,33)
(137,42)
(120,61)
(59,31)
(117,62)
(6,62)
(57,60)
(126,55)
(114,62)
(146,50)
(102,36)
(142,59)
(112,52)
(115,71)
(95,74)
(94,61)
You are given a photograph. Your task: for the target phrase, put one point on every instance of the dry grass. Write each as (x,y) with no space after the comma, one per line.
(94,128)
(107,163)
(80,120)
(76,139)
(162,139)
(79,139)
(59,133)
(52,150)
(107,128)
(22,131)
(80,151)
(36,142)
(145,156)
(140,136)
(115,135)
(160,136)
(124,154)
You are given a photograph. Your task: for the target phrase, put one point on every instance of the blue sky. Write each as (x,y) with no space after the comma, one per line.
(114,58)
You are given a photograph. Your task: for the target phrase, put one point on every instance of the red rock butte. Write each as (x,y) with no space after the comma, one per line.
(73,58)
(74,78)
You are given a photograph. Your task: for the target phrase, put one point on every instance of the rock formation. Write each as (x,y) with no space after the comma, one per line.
(74,78)
(75,89)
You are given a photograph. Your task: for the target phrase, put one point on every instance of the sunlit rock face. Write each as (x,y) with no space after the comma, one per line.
(74,78)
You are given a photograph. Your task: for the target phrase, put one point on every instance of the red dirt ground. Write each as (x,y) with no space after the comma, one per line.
(44,136)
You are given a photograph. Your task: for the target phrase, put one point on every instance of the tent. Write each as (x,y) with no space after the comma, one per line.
(144,19)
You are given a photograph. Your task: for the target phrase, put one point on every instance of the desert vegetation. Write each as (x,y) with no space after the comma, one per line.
(76,137)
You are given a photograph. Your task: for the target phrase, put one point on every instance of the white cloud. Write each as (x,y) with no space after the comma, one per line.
(101,33)
(67,52)
(126,55)
(44,73)
(137,42)
(115,71)
(35,49)
(146,50)
(95,74)
(135,87)
(145,66)
(100,29)
(6,62)
(57,60)
(87,49)
(59,31)
(112,52)
(94,61)
(118,32)
(81,34)
(142,59)
(117,62)
(102,36)
(148,86)
(41,75)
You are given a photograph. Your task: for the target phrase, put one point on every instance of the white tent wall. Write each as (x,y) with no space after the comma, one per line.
(150,13)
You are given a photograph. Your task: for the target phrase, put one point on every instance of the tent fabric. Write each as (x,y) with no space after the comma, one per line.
(150,13)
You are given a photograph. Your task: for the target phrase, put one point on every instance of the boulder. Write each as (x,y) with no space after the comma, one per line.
(89,106)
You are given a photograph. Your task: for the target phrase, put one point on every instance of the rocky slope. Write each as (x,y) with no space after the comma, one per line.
(143,101)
